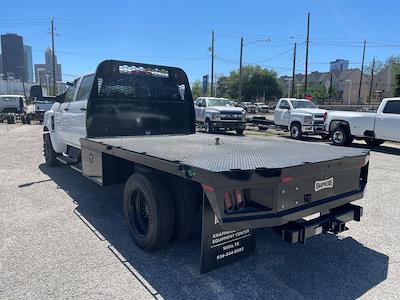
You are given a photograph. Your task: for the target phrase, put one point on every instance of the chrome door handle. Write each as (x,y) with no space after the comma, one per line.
(57,121)
(66,109)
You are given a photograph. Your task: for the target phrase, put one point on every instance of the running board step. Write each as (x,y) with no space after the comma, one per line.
(77,167)
(66,160)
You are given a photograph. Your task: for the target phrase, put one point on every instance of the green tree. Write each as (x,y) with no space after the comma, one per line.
(396,81)
(320,94)
(256,83)
(197,89)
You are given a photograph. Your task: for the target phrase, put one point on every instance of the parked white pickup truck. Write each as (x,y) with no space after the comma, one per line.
(219,114)
(374,128)
(300,116)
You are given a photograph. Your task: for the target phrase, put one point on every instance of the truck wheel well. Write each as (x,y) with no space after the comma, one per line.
(294,122)
(339,123)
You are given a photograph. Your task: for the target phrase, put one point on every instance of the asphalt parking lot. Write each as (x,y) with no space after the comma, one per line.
(62,236)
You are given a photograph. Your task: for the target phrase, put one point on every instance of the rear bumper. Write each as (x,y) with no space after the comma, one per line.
(260,220)
(229,124)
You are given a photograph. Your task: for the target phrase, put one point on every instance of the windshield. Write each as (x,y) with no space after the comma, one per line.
(303,104)
(219,102)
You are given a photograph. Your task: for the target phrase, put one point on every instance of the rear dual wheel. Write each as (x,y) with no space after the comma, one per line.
(155,214)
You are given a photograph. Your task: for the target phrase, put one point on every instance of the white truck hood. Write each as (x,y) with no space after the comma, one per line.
(309,111)
(225,109)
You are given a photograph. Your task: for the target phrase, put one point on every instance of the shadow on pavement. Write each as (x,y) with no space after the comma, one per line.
(325,268)
(381,149)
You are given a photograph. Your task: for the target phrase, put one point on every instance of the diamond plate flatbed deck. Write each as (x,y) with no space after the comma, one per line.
(232,153)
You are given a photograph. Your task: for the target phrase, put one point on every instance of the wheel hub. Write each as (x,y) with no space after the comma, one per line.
(139,212)
(338,137)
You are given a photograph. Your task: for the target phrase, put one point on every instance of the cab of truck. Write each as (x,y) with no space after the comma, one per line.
(12,104)
(121,100)
(300,117)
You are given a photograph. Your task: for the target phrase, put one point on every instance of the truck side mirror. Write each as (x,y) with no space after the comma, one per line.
(60,98)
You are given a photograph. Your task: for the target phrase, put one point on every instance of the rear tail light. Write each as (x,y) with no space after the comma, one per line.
(286,179)
(239,199)
(229,206)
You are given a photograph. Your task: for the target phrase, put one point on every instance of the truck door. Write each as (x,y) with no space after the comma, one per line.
(387,121)
(61,114)
(77,111)
(200,110)
(282,113)
(197,109)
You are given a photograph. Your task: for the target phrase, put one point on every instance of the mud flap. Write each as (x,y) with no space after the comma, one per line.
(219,247)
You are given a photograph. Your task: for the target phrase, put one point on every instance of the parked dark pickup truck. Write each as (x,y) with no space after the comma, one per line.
(137,127)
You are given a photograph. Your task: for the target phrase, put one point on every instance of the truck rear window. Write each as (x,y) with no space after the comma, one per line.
(132,83)
(9,99)
(392,107)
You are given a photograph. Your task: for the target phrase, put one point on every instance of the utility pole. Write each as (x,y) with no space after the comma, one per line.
(307,42)
(372,81)
(240,69)
(294,70)
(212,64)
(53,58)
(330,88)
(361,75)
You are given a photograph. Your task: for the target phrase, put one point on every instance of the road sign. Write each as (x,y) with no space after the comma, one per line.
(205,84)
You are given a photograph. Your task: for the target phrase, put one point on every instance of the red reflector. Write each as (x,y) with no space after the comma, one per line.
(286,179)
(239,199)
(228,201)
(208,188)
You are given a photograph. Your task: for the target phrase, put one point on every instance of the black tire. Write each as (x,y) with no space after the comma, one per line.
(341,136)
(373,142)
(208,126)
(148,211)
(49,154)
(186,208)
(295,131)
(239,131)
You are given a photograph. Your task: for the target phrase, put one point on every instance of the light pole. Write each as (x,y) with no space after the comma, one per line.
(48,83)
(349,80)
(289,85)
(298,89)
(1,83)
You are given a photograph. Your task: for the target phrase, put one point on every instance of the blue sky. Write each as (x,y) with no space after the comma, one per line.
(178,33)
